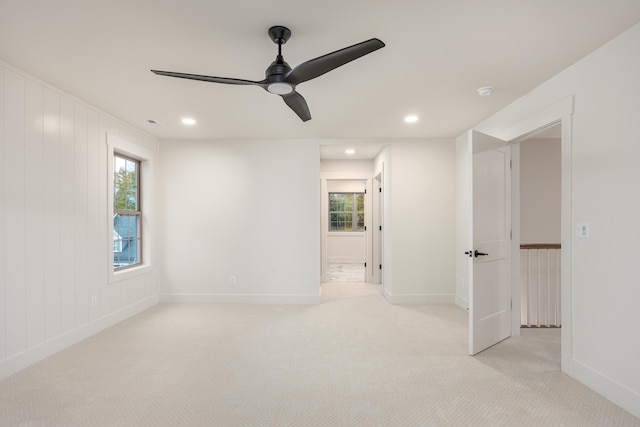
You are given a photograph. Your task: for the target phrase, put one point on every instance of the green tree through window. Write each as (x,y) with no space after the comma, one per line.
(346,211)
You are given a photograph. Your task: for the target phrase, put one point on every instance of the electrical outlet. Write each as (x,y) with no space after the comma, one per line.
(94,300)
(232,280)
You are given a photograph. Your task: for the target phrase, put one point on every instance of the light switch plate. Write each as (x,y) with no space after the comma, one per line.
(582,229)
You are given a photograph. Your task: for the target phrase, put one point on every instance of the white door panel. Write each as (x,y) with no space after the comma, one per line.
(490,222)
(490,297)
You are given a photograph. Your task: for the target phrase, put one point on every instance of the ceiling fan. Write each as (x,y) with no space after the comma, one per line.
(282,80)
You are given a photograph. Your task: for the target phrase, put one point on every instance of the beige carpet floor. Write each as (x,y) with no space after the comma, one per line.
(354,360)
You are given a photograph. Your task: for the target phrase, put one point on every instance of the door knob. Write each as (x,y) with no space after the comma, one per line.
(477,254)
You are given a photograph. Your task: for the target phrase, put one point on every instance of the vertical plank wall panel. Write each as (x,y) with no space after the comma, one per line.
(116,289)
(137,289)
(113,290)
(14,222)
(80,214)
(52,207)
(93,210)
(3,318)
(54,225)
(67,226)
(34,206)
(106,254)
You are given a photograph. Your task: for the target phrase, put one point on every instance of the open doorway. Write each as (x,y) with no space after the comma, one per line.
(350,261)
(528,127)
(345,230)
(539,172)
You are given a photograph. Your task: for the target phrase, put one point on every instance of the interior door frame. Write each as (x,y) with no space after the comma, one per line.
(516,225)
(367,179)
(559,113)
(377,235)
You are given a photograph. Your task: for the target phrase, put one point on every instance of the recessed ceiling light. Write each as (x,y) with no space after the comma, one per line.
(188,121)
(485,91)
(411,119)
(350,151)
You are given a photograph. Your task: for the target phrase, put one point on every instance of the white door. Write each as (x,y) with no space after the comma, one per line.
(489,229)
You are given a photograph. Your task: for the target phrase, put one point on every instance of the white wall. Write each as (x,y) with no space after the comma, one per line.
(54,253)
(421,221)
(540,190)
(250,209)
(346,167)
(601,347)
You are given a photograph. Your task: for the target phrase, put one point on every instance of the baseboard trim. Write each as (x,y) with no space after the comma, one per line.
(240,299)
(33,355)
(462,303)
(418,299)
(346,261)
(624,397)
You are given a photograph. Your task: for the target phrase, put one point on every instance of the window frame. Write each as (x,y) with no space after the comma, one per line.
(124,148)
(354,212)
(130,212)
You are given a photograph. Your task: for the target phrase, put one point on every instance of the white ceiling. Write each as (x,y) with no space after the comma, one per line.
(437,54)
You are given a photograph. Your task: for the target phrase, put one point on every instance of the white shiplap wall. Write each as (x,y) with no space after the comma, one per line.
(54,253)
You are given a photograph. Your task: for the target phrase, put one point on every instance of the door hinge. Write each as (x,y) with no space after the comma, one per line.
(365,264)
(365,191)
(510,164)
(380,266)
(380,190)
(510,234)
(380,228)
(365,228)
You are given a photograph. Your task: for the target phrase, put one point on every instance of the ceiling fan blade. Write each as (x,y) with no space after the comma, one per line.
(296,102)
(323,64)
(211,79)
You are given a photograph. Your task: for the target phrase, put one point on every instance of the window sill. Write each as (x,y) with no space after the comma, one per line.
(118,276)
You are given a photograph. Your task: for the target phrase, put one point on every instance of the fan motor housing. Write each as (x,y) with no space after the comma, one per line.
(277,70)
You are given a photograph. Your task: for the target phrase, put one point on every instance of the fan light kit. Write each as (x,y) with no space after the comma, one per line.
(280,88)
(282,80)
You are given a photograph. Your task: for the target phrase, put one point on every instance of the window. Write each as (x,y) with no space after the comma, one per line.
(117,242)
(346,211)
(127,214)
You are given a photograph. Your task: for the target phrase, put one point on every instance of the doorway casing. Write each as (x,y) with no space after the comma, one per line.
(561,114)
(369,249)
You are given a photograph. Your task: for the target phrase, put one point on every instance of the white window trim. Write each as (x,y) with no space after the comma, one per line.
(354,211)
(115,144)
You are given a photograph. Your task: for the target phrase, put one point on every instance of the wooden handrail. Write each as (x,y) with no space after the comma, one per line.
(540,246)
